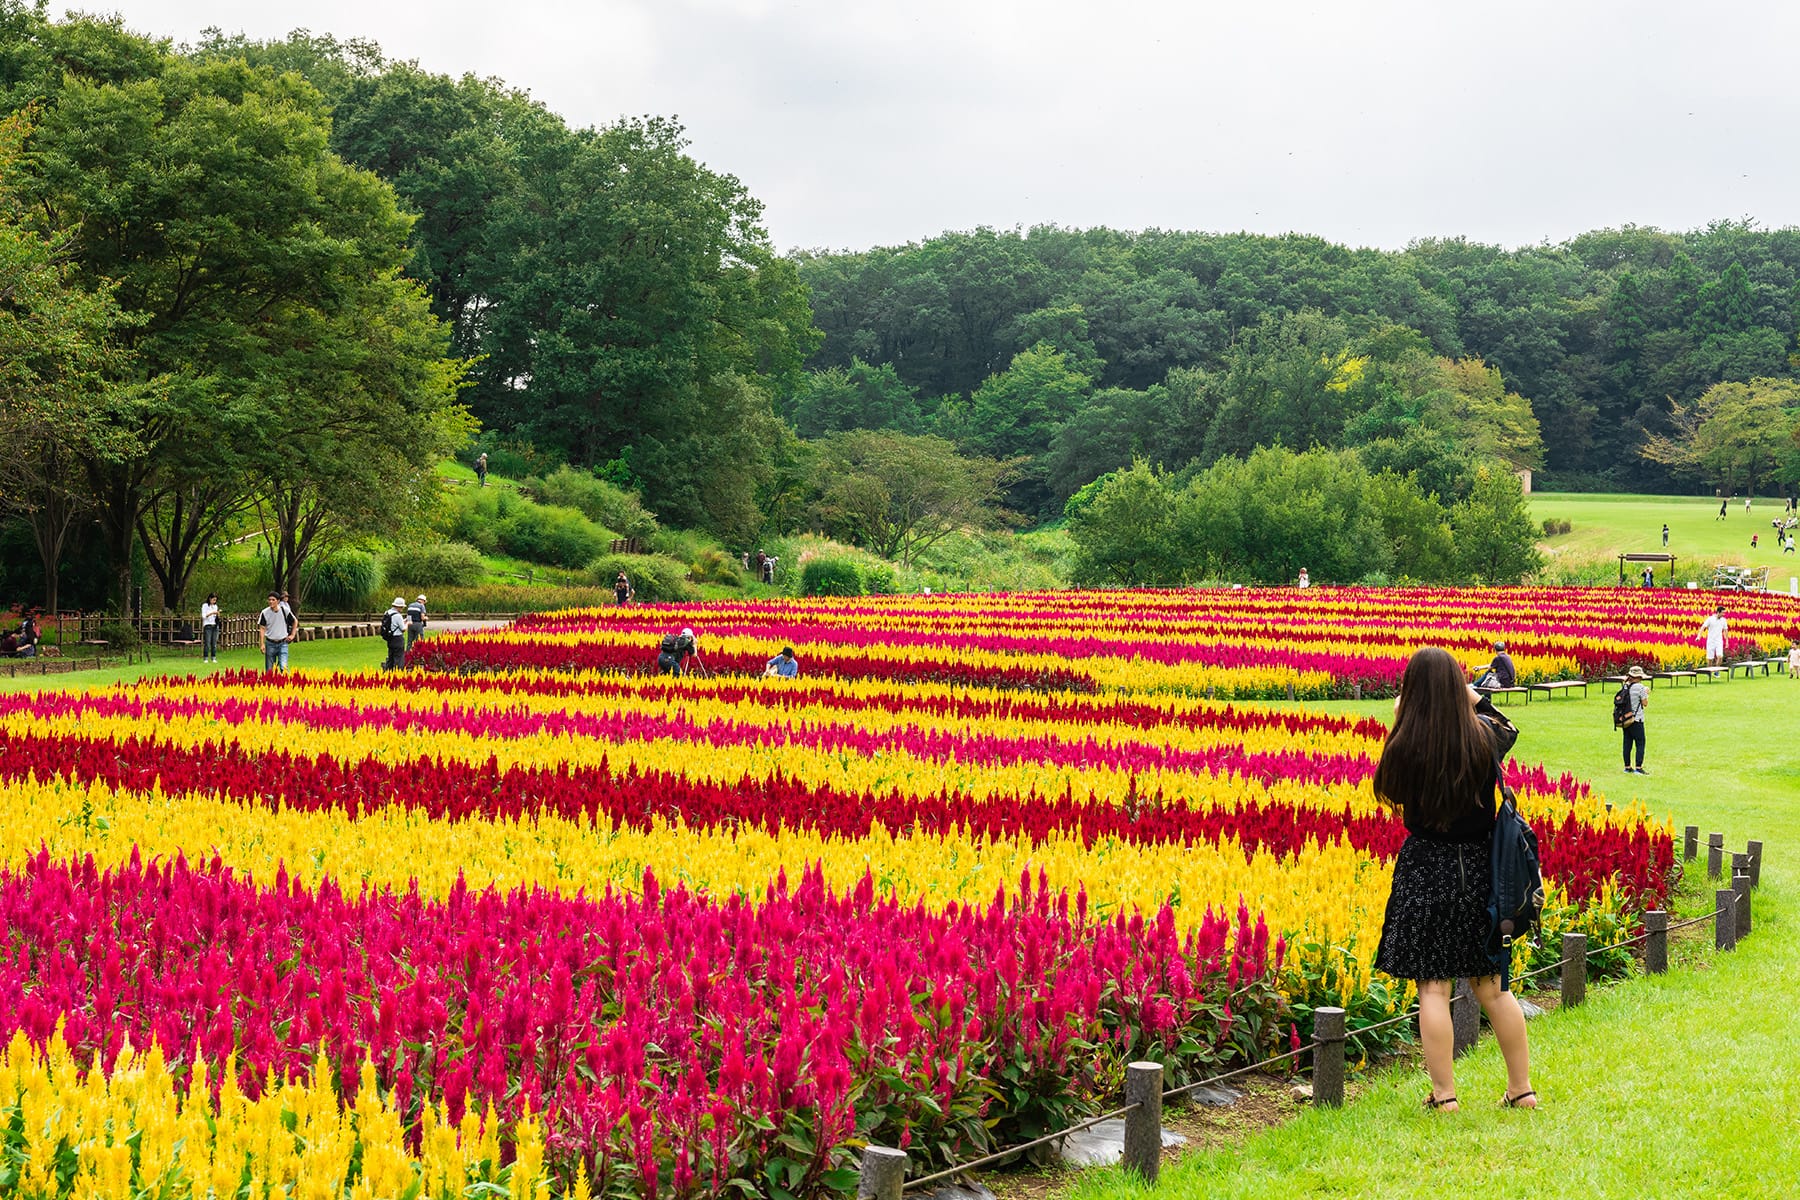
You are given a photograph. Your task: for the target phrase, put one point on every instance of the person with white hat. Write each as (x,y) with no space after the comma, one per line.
(676,649)
(393,629)
(415,620)
(1637,699)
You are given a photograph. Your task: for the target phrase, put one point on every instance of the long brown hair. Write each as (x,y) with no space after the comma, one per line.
(1438,753)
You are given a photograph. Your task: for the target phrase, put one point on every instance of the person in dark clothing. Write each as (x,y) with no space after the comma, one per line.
(393,631)
(27,642)
(1500,672)
(1439,766)
(676,649)
(621,588)
(1665,535)
(481,469)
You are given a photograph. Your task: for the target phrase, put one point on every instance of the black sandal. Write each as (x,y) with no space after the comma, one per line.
(1432,1101)
(1513,1101)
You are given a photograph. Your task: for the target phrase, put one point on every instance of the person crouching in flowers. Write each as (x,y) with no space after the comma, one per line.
(1439,766)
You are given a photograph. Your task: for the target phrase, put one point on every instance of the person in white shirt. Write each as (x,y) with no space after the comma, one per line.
(1713,630)
(209,629)
(1304,581)
(1793,662)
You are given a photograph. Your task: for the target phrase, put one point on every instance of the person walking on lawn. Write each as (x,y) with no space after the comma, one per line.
(1713,629)
(1637,696)
(415,620)
(272,633)
(1439,766)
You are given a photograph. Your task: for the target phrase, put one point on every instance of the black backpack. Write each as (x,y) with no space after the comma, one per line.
(1516,900)
(671,643)
(1622,706)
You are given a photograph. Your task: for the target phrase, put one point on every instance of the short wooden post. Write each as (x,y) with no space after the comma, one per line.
(1465,1019)
(1290,691)
(1690,843)
(883,1175)
(1328,1057)
(1755,851)
(1656,941)
(1715,855)
(1741,885)
(1574,969)
(1143,1124)
(1725,919)
(1356,691)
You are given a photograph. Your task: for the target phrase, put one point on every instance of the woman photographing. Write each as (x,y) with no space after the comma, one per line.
(1439,766)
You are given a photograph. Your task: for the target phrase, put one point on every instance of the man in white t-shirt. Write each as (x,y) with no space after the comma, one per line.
(1713,630)
(273,631)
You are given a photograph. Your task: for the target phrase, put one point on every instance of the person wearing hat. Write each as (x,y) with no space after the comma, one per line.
(1713,630)
(393,630)
(1637,687)
(415,620)
(783,665)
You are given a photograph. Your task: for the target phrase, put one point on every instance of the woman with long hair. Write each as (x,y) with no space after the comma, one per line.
(1439,766)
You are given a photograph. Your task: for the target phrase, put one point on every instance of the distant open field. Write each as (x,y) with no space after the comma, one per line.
(1606,525)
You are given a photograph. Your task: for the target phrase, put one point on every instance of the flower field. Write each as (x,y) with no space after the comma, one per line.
(595,933)
(1228,643)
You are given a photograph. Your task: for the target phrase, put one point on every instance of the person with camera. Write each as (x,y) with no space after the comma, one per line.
(1440,766)
(1631,720)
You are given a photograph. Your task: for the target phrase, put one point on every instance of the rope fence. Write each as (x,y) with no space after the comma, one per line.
(883,1174)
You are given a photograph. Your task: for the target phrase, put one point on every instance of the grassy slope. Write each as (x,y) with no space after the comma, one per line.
(1608,525)
(1679,1086)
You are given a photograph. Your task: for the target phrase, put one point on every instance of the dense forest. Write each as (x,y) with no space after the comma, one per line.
(277,281)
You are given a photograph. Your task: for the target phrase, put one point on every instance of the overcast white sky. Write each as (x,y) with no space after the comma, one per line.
(1371,122)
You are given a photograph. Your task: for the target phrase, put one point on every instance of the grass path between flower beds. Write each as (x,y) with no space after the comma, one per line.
(1678,1086)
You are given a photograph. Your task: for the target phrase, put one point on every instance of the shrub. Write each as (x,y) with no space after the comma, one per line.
(653,577)
(119,635)
(1554,527)
(436,565)
(712,566)
(830,577)
(344,581)
(496,521)
(515,598)
(604,503)
(509,458)
(878,581)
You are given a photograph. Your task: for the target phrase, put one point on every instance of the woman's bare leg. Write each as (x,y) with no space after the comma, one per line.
(1437,1038)
(1508,1024)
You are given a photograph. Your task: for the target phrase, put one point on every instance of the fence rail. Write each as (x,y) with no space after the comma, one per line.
(883,1170)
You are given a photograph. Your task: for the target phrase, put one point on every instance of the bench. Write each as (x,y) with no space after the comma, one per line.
(1677,676)
(1779,664)
(1749,667)
(1648,681)
(1552,687)
(1506,691)
(1713,674)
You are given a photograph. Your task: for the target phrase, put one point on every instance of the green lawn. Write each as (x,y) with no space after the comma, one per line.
(1677,1086)
(1607,525)
(342,654)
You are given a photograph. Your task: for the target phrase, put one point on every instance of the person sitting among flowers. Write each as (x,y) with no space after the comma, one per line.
(783,665)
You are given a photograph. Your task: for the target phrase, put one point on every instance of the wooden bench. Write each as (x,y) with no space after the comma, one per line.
(1713,674)
(1677,676)
(1648,681)
(1554,686)
(1749,667)
(1506,691)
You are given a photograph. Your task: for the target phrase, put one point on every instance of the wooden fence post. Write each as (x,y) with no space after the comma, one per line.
(1143,1124)
(1574,969)
(1465,1019)
(1754,848)
(1656,941)
(1725,919)
(1328,1057)
(1690,843)
(1715,854)
(1740,884)
(883,1175)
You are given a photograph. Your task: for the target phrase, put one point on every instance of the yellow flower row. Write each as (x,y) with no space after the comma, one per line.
(295,1140)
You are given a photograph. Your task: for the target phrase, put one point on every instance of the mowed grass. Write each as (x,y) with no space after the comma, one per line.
(337,654)
(1608,525)
(1677,1086)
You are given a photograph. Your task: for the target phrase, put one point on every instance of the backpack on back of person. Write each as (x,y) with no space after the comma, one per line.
(671,643)
(391,625)
(1622,715)
(1516,898)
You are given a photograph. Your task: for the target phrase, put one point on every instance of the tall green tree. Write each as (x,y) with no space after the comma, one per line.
(1737,436)
(1496,541)
(899,495)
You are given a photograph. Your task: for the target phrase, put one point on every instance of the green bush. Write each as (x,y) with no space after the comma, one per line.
(878,581)
(712,566)
(436,565)
(497,521)
(1555,528)
(510,458)
(119,635)
(604,503)
(830,577)
(345,581)
(654,577)
(515,598)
